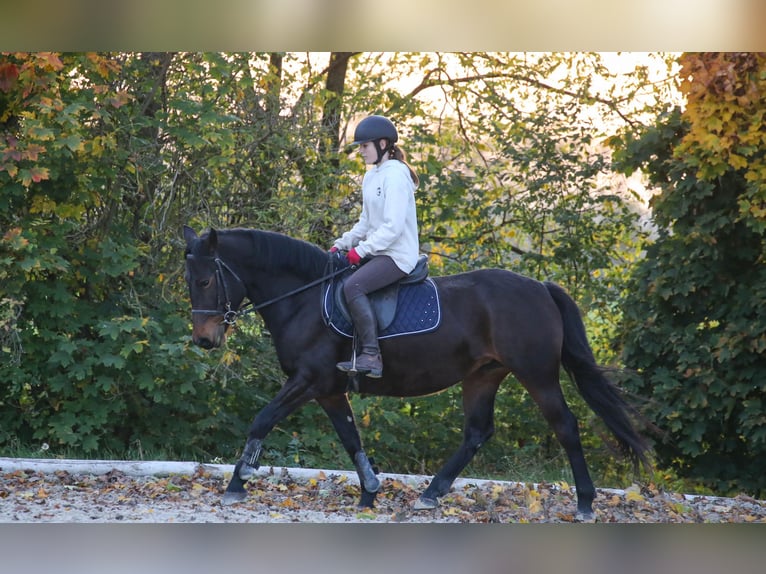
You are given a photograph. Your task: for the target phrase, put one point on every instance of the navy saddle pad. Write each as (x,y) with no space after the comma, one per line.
(417,310)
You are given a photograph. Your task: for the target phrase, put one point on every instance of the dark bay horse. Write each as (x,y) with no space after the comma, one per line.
(493,323)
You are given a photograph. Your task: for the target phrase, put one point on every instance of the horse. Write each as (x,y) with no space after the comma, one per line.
(493,322)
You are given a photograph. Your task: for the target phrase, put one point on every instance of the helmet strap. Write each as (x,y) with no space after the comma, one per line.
(381,151)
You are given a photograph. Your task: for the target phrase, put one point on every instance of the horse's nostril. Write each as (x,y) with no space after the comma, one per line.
(205,343)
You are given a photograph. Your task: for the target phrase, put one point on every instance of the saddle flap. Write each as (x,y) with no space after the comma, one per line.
(383,303)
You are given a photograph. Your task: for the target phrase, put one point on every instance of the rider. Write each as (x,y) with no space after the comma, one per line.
(386,235)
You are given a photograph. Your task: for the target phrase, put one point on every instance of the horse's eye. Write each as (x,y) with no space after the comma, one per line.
(204,283)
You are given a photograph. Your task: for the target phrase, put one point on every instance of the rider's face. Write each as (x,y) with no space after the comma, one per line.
(368,152)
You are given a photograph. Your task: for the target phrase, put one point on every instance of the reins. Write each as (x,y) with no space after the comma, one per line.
(230,315)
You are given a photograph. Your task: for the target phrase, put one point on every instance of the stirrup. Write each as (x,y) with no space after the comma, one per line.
(352,367)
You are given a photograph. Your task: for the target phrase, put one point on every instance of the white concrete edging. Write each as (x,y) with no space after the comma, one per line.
(167,468)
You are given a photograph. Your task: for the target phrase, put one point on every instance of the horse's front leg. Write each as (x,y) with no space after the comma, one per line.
(339,410)
(285,402)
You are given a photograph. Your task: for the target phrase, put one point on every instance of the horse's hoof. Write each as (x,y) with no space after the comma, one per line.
(367,500)
(587,517)
(425,503)
(230,498)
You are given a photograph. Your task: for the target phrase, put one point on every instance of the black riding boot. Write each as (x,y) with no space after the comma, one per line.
(368,361)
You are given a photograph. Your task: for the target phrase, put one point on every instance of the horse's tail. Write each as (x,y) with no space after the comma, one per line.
(599,392)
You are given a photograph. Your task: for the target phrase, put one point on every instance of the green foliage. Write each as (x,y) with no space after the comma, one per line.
(694,332)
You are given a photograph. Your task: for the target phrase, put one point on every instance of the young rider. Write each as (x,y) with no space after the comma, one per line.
(386,235)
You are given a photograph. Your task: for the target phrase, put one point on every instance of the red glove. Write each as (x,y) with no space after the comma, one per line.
(353,257)
(333,249)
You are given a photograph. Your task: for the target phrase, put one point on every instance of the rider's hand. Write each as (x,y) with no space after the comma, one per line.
(333,249)
(353,257)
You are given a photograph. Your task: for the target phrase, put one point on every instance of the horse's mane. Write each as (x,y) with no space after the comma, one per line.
(274,250)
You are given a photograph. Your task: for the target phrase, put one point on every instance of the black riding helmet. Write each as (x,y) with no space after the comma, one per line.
(373,129)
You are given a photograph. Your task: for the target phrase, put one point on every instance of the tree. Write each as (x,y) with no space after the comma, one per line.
(92,353)
(694,331)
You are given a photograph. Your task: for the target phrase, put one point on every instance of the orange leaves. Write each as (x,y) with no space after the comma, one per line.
(721,75)
(34,174)
(104,66)
(726,98)
(9,73)
(12,153)
(119,99)
(14,238)
(49,60)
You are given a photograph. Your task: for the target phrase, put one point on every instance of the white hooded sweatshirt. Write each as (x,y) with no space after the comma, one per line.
(388,224)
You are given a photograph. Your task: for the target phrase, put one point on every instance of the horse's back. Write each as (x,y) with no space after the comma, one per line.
(496,301)
(492,283)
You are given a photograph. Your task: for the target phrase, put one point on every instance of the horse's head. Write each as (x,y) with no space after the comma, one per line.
(215,290)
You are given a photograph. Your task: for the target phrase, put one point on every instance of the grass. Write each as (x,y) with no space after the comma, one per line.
(134,453)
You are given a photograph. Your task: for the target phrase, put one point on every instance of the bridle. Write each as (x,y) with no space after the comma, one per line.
(222,291)
(224,306)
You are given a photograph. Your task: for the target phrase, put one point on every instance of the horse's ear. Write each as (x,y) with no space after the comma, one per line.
(212,239)
(189,234)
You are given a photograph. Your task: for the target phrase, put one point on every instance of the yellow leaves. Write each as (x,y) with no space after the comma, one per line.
(451,511)
(563,485)
(42,204)
(533,502)
(737,161)
(633,496)
(229,357)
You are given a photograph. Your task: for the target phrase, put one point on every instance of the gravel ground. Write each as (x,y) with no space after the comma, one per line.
(36,491)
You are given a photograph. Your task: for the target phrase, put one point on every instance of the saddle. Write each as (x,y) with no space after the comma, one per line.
(408,306)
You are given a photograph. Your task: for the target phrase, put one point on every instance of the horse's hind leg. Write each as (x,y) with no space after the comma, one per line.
(547,394)
(479,392)
(339,410)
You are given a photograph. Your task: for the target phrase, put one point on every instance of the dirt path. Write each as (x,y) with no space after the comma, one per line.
(34,490)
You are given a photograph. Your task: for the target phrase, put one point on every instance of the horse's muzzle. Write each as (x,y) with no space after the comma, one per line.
(204,342)
(209,334)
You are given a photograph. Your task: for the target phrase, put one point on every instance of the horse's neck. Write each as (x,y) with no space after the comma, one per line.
(275,274)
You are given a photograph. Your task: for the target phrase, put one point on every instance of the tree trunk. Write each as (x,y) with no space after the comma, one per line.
(336,80)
